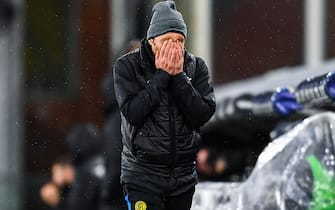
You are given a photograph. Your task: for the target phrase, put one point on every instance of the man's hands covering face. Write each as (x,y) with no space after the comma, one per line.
(170,57)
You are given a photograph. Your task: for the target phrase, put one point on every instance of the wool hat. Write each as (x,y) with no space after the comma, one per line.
(166,18)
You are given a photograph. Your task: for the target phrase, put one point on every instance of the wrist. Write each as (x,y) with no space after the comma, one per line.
(176,73)
(165,70)
(162,77)
(179,78)
(180,74)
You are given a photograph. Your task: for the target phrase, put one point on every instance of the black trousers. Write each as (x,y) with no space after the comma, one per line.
(113,205)
(137,200)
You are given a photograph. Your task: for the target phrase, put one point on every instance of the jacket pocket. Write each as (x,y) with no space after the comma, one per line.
(189,142)
(187,148)
(152,150)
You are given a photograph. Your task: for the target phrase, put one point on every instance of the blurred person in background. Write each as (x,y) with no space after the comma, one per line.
(85,142)
(63,171)
(215,163)
(111,191)
(204,168)
(165,96)
(55,192)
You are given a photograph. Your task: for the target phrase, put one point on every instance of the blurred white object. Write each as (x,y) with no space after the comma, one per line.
(284,176)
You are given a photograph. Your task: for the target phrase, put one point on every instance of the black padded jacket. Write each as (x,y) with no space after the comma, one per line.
(161,114)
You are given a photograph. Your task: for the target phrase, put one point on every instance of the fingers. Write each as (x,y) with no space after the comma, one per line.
(173,57)
(157,56)
(170,57)
(160,57)
(180,53)
(171,51)
(163,49)
(179,58)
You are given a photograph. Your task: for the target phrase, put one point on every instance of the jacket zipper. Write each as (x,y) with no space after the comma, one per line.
(172,134)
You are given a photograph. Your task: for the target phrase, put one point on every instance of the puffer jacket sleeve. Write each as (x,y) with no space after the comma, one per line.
(136,102)
(195,99)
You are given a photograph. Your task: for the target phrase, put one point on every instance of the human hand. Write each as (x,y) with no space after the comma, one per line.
(284,102)
(170,57)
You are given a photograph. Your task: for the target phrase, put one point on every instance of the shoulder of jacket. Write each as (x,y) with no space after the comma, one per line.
(127,61)
(130,56)
(197,61)
(191,57)
(191,65)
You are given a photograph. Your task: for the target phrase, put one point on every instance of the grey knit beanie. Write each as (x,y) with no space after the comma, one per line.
(166,18)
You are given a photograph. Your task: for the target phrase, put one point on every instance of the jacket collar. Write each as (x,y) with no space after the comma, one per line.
(146,53)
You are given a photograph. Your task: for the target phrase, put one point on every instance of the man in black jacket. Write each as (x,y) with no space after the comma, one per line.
(165,96)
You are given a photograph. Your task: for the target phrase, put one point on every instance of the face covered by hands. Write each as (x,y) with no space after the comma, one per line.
(169,52)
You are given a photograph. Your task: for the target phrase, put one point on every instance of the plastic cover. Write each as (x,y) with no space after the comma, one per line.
(295,171)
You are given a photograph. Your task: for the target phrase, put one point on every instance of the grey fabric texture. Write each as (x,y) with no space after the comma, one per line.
(166,18)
